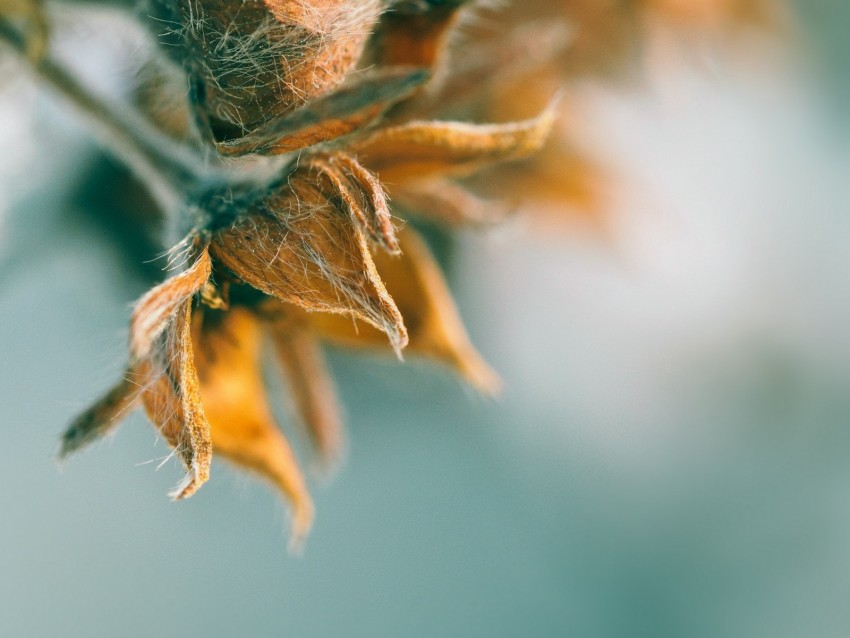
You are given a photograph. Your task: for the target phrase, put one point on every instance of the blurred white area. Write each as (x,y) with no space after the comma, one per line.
(729,257)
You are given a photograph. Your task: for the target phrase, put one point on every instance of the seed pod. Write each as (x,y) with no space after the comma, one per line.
(255,60)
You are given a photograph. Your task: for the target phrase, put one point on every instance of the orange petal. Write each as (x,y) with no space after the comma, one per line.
(256,60)
(296,246)
(311,387)
(172,401)
(347,109)
(360,193)
(153,311)
(103,416)
(436,329)
(243,428)
(420,150)
(415,36)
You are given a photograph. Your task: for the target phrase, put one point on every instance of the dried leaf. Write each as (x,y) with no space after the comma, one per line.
(420,150)
(154,310)
(435,327)
(349,108)
(102,417)
(172,401)
(311,387)
(296,246)
(228,348)
(360,194)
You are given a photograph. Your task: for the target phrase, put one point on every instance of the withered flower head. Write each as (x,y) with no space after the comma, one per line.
(314,255)
(296,263)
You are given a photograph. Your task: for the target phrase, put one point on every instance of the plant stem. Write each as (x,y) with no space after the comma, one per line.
(164,167)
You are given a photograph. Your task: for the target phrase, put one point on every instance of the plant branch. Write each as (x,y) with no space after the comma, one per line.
(165,168)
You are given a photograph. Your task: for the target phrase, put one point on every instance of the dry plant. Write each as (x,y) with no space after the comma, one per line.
(369,111)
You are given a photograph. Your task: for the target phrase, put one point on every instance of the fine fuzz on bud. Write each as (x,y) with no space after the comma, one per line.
(311,386)
(297,246)
(255,60)
(153,311)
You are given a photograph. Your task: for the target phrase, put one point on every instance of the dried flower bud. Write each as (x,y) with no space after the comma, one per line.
(295,244)
(256,60)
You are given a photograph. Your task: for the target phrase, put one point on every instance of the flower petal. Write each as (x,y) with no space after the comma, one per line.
(347,109)
(172,401)
(436,329)
(234,397)
(102,417)
(154,310)
(416,33)
(296,246)
(253,61)
(311,387)
(360,193)
(420,150)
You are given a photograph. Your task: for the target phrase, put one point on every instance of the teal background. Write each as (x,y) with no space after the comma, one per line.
(671,457)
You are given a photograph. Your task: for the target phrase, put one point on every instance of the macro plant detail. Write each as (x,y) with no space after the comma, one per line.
(314,138)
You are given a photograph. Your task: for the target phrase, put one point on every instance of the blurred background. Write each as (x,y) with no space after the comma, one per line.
(671,457)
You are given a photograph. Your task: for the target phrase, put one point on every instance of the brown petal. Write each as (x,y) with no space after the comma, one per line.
(103,416)
(153,311)
(449,203)
(311,387)
(360,193)
(416,35)
(436,329)
(420,150)
(350,107)
(172,401)
(298,247)
(234,396)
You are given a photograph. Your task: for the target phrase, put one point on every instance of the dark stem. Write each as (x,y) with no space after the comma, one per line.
(168,170)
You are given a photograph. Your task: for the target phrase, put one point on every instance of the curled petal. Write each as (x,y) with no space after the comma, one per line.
(253,61)
(153,311)
(296,246)
(311,387)
(102,417)
(435,326)
(416,33)
(243,428)
(420,150)
(360,194)
(347,109)
(172,400)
